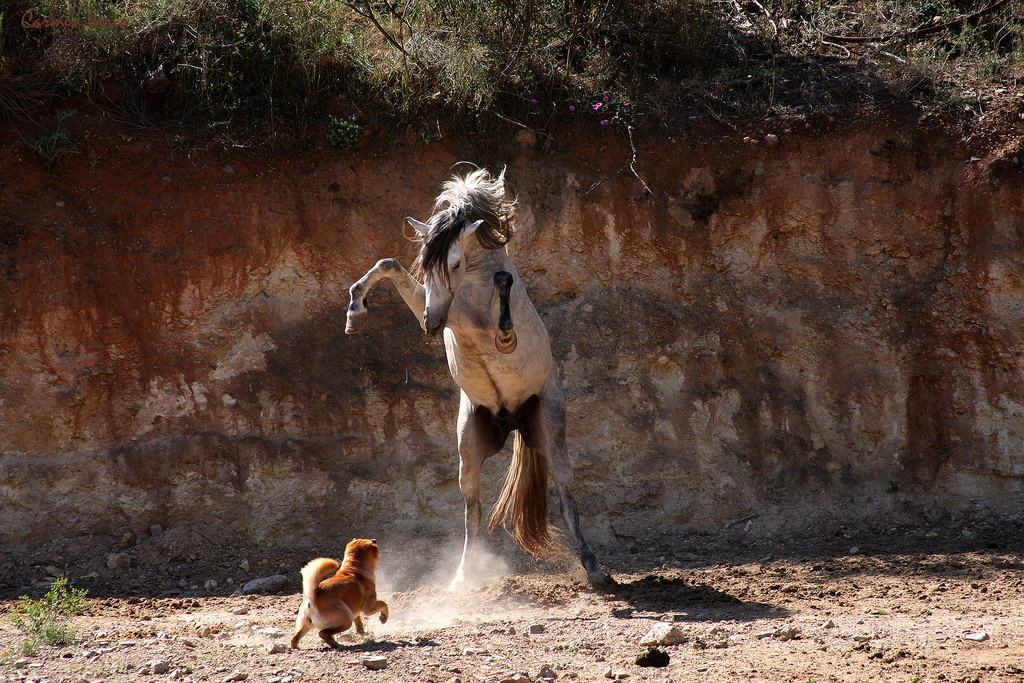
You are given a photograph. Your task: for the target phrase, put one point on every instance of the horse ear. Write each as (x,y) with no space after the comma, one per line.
(421,228)
(470,229)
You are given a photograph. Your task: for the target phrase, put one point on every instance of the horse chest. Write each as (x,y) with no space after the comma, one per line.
(494,380)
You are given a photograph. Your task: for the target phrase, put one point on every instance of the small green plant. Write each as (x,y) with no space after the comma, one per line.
(54,143)
(47,621)
(344,132)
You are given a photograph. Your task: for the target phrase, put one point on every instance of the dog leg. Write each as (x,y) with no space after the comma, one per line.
(383,607)
(359,626)
(327,635)
(302,624)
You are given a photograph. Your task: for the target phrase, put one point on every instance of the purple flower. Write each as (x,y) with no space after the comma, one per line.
(605,98)
(533,101)
(598,105)
(572,108)
(605,122)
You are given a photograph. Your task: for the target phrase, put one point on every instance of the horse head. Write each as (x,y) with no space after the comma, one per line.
(445,277)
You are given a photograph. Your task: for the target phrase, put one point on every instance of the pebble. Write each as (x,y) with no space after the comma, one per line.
(519,677)
(854,550)
(160,666)
(615,675)
(537,628)
(547,674)
(978,637)
(375,663)
(236,676)
(277,648)
(228,168)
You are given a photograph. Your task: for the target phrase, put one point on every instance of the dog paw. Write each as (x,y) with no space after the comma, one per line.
(383,618)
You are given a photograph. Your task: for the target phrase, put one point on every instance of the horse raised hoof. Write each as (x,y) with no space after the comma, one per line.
(356,318)
(505,343)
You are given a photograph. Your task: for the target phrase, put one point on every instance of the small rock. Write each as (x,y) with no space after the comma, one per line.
(862,638)
(118,561)
(239,610)
(519,677)
(266,585)
(547,674)
(277,648)
(537,628)
(829,624)
(160,666)
(52,571)
(653,657)
(155,529)
(21,663)
(978,637)
(854,550)
(236,676)
(784,634)
(663,633)
(771,139)
(228,168)
(375,663)
(244,565)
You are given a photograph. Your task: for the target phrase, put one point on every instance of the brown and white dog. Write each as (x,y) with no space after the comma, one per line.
(333,605)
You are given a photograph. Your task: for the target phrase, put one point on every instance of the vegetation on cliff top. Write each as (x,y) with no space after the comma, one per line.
(477,64)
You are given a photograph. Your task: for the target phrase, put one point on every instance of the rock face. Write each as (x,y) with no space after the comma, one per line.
(824,330)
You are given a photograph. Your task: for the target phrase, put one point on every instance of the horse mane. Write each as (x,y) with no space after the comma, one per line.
(464,200)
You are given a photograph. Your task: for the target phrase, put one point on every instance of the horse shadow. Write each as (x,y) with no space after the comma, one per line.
(686,600)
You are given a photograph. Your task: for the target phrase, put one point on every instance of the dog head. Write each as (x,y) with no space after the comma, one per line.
(363,551)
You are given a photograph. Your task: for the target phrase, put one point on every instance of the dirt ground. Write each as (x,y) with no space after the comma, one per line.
(937,603)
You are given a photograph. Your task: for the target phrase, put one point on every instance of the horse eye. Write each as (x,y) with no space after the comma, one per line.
(457,265)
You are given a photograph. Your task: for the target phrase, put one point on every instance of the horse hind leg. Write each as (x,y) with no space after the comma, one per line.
(478,440)
(546,432)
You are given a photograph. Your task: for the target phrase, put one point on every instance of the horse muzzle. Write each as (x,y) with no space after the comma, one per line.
(434,327)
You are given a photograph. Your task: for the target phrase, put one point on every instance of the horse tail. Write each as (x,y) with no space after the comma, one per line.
(523,502)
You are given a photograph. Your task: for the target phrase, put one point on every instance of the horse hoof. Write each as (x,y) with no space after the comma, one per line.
(598,579)
(355,321)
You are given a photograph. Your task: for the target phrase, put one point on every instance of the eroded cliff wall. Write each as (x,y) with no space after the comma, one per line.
(781,337)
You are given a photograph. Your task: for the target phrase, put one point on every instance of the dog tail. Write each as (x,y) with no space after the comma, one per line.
(314,572)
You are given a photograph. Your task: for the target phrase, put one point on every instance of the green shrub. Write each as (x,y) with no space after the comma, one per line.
(47,621)
(53,143)
(344,132)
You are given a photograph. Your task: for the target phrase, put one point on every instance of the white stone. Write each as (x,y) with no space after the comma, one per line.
(663,633)
(375,663)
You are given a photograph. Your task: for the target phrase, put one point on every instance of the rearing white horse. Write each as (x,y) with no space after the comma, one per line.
(498,353)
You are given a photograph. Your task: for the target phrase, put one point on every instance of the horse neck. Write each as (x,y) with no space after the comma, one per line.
(483,263)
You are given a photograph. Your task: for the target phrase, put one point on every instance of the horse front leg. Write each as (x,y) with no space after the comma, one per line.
(478,440)
(545,431)
(412,293)
(505,337)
